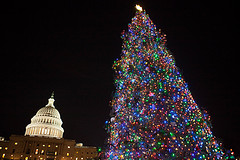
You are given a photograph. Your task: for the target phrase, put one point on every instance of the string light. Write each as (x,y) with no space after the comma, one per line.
(154,115)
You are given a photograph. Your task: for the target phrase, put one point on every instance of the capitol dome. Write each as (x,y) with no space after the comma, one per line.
(46,122)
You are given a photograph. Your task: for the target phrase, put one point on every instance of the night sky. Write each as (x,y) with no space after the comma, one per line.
(69,48)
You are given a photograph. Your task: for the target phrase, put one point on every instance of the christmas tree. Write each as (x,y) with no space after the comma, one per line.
(154,115)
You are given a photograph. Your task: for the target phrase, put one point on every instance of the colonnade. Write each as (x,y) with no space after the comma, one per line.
(44,131)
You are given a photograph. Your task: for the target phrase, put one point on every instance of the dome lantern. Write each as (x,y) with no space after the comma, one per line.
(51,100)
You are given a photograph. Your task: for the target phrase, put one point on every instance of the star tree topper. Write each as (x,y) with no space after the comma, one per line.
(138,7)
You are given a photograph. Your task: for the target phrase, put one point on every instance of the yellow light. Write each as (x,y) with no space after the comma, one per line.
(138,7)
(36,152)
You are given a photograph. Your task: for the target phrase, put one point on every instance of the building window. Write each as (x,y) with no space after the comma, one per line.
(45,131)
(42,152)
(16,143)
(26,158)
(67,154)
(68,146)
(56,146)
(49,145)
(36,151)
(55,153)
(3,155)
(6,148)
(28,151)
(0,147)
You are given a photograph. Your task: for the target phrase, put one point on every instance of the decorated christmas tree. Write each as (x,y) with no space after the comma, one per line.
(154,115)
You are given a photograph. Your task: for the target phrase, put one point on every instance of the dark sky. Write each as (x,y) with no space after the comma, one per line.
(70,48)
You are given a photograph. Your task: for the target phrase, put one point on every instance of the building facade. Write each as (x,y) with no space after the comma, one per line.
(43,140)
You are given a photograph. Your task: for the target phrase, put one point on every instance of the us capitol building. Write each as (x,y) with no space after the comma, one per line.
(43,140)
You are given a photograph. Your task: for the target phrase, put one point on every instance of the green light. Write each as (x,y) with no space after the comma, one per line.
(171,134)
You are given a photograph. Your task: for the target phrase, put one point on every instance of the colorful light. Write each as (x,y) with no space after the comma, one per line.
(154,115)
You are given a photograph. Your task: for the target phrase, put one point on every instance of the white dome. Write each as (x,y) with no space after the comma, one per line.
(48,111)
(46,122)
